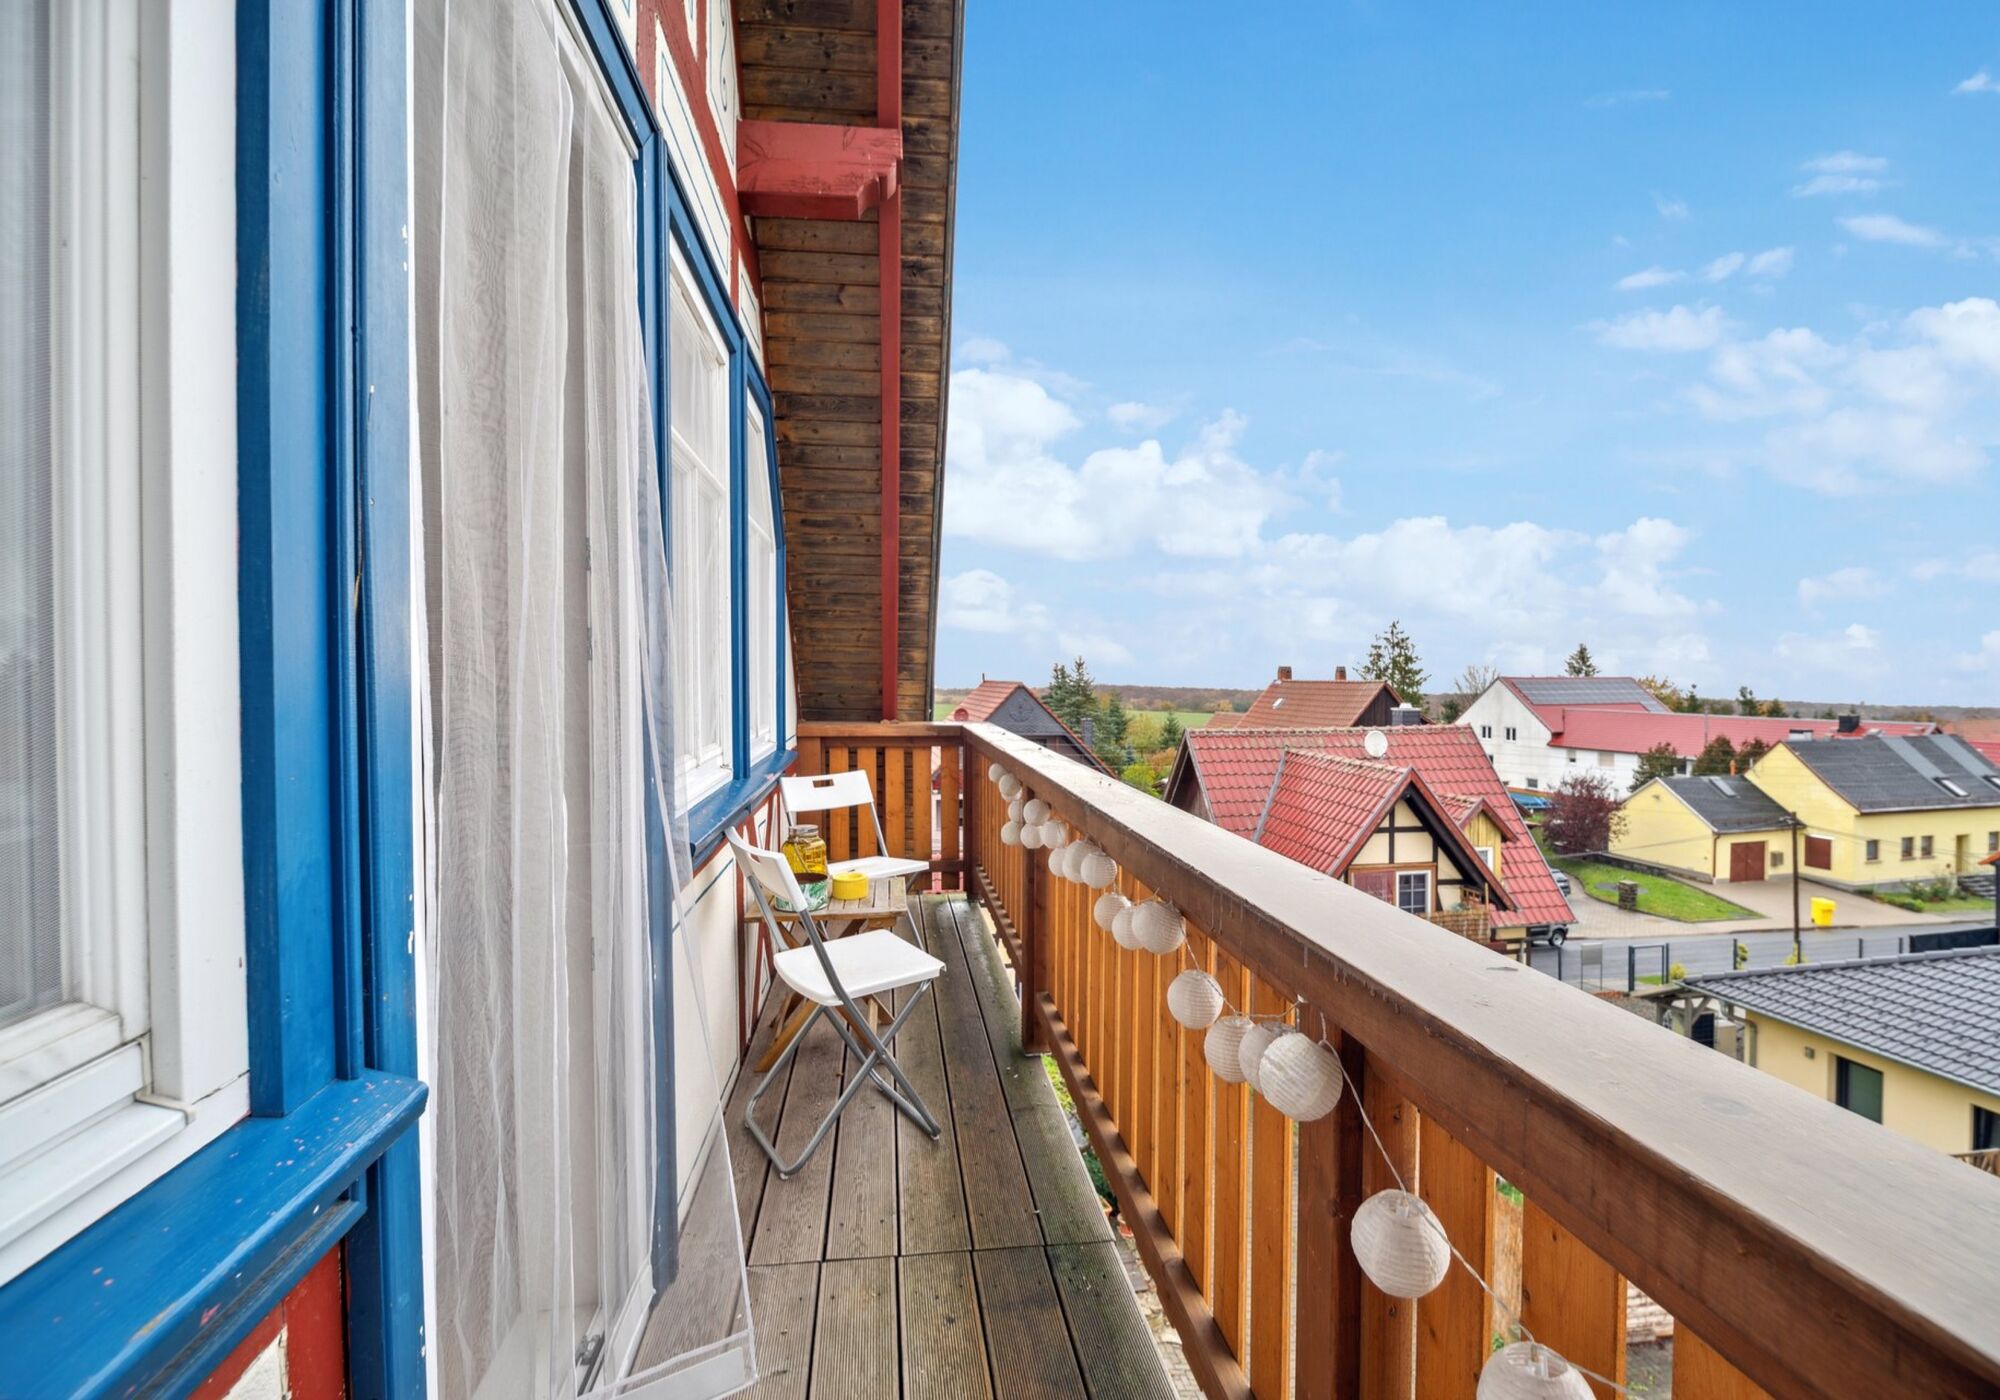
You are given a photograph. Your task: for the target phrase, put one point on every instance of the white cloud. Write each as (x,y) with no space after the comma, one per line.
(1100,649)
(1136,417)
(980,600)
(1672,209)
(1649,277)
(1676,330)
(1855,581)
(1887,228)
(1982,81)
(1627,95)
(1965,332)
(1722,268)
(1983,567)
(982,350)
(1987,658)
(1770,264)
(1316,477)
(1009,487)
(1855,650)
(1842,172)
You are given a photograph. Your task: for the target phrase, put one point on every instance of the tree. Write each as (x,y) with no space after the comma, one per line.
(1109,732)
(1450,708)
(1583,815)
(1663,690)
(1776,709)
(1750,753)
(1746,703)
(1718,757)
(1392,657)
(1141,776)
(1660,761)
(1072,693)
(1171,731)
(1474,679)
(1580,662)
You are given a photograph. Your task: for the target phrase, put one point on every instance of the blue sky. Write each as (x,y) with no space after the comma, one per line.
(1671,330)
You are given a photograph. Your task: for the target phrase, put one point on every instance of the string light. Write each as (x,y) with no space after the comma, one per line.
(1010,834)
(1300,1077)
(1031,833)
(1250,1054)
(1223,1045)
(995,770)
(1159,926)
(1014,809)
(1108,906)
(1530,1371)
(1121,927)
(1400,1244)
(1054,833)
(1194,998)
(1010,786)
(1036,812)
(1096,869)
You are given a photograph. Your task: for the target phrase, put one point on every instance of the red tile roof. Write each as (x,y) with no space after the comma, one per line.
(1311,704)
(1236,768)
(1989,747)
(983,699)
(1635,731)
(1975,729)
(1225,719)
(1321,807)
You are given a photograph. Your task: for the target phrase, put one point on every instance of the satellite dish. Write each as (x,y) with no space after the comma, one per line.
(1376,743)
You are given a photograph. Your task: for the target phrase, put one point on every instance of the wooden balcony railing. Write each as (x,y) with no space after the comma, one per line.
(1801,1249)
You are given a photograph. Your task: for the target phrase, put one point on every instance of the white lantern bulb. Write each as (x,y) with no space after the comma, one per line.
(1159,926)
(1010,834)
(1097,869)
(1010,787)
(1400,1244)
(1121,928)
(1054,832)
(1300,1077)
(1036,812)
(1529,1371)
(994,771)
(1222,1047)
(1031,835)
(1109,905)
(1014,809)
(1250,1054)
(1194,999)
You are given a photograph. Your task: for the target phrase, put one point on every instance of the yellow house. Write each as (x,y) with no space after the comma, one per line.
(1723,829)
(1872,811)
(1911,1042)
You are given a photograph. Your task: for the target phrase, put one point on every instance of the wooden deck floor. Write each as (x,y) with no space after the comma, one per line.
(977,1265)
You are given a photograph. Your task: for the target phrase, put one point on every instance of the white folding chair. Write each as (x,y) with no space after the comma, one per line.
(841,792)
(833,975)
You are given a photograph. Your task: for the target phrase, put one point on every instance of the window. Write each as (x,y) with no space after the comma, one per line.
(1486,731)
(1909,848)
(698,412)
(763,575)
(1606,759)
(1857,1088)
(1413,892)
(123,1022)
(1949,786)
(1929,848)
(1985,1130)
(1534,784)
(1819,852)
(1512,732)
(1570,754)
(1993,841)
(1874,850)
(1486,855)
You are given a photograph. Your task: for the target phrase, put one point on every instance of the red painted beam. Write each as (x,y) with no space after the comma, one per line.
(808,170)
(889,116)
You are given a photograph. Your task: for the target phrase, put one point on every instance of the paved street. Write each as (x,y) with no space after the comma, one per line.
(1701,952)
(1772,899)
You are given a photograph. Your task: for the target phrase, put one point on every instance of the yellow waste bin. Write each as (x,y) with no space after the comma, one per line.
(1822,912)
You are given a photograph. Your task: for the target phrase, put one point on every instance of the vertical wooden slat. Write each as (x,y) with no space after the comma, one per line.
(1453,1331)
(1571,1299)
(836,826)
(1702,1373)
(1197,1134)
(1388,1325)
(1330,1288)
(1271,1236)
(1226,1291)
(869,761)
(1032,926)
(961,813)
(896,816)
(1148,1013)
(1168,1070)
(951,765)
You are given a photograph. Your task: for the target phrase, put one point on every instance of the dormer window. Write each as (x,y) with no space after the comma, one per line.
(1951,787)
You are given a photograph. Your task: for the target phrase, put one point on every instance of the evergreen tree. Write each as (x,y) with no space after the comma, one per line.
(1660,761)
(1450,709)
(1718,758)
(1746,703)
(1108,734)
(1072,694)
(1171,732)
(1392,657)
(1580,662)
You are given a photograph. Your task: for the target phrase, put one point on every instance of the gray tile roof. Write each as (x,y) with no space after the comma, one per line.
(1882,773)
(1728,804)
(1585,690)
(1938,1012)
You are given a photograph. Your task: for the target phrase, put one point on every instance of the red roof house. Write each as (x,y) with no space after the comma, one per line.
(1229,777)
(1015,708)
(1336,704)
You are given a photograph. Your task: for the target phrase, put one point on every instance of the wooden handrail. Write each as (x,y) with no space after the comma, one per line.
(1815,1252)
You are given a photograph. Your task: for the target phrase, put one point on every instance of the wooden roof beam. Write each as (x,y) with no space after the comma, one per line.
(811,170)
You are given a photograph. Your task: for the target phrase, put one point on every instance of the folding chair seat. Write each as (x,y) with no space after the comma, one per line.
(833,976)
(842,792)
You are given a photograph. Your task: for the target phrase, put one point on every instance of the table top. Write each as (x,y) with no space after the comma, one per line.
(885,899)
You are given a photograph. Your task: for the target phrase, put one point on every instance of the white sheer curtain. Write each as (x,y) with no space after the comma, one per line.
(552,723)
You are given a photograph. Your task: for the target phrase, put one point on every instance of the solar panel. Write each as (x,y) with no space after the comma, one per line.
(1584,690)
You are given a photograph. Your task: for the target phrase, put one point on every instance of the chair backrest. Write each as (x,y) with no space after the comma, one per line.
(771,878)
(824,792)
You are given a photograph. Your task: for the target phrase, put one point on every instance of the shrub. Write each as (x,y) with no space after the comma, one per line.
(1583,815)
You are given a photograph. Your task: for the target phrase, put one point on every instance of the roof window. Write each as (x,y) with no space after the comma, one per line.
(1951,787)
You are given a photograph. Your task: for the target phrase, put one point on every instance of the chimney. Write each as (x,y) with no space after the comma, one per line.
(1850,724)
(1340,673)
(1284,673)
(1089,732)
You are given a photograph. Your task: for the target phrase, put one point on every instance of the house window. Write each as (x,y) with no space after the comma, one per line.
(1874,851)
(1857,1088)
(1993,841)
(699,415)
(1512,732)
(1909,848)
(123,1020)
(1928,848)
(1413,892)
(1570,754)
(1486,731)
(763,578)
(1606,759)
(1985,1130)
(1534,784)
(1819,852)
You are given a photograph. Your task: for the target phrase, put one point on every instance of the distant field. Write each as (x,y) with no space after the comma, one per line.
(1141,719)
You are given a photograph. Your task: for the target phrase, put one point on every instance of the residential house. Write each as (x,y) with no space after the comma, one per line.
(1911,1042)
(1717,828)
(374,975)
(1017,709)
(1884,810)
(1431,777)
(1340,703)
(1541,730)
(1381,828)
(1980,731)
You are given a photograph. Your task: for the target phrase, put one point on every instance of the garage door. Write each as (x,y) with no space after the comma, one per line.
(1746,861)
(1819,853)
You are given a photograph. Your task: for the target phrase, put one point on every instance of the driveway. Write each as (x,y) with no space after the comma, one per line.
(1772,899)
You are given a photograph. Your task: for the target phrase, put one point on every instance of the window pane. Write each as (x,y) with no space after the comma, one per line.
(763,599)
(698,415)
(30,865)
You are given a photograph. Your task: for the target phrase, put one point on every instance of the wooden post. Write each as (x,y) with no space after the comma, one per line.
(889,276)
(1571,1300)
(1700,1373)
(1454,1333)
(1330,1288)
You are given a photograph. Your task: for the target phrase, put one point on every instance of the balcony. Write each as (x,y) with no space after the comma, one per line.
(1801,1249)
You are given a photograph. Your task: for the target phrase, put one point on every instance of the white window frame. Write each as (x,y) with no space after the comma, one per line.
(761,540)
(148,1060)
(1425,876)
(705,676)
(1485,855)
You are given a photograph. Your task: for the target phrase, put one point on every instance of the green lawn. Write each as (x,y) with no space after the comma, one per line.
(1953,904)
(1670,899)
(1141,719)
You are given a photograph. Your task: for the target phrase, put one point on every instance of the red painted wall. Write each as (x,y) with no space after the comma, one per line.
(311,1322)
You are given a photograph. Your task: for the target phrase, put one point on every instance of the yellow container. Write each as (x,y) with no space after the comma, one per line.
(1822,912)
(805,851)
(850,884)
